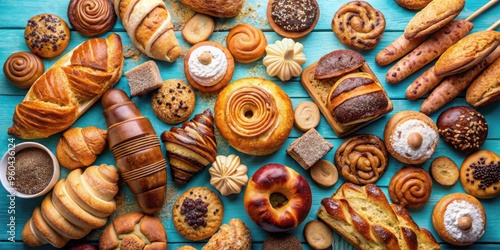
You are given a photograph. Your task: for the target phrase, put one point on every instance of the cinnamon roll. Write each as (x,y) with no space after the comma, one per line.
(91,17)
(362,159)
(23,68)
(410,187)
(358,25)
(254,115)
(246,43)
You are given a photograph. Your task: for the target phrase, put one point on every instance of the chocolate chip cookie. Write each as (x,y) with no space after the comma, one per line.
(173,102)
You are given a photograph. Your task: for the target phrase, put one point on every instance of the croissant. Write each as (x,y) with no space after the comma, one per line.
(364,217)
(79,147)
(78,204)
(149,26)
(69,88)
(137,150)
(192,147)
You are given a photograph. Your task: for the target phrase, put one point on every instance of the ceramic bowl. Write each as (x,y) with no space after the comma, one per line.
(4,164)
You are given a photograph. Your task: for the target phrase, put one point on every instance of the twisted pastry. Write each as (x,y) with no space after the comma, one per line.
(358,25)
(23,68)
(78,204)
(192,147)
(410,187)
(254,115)
(91,17)
(79,147)
(362,159)
(246,43)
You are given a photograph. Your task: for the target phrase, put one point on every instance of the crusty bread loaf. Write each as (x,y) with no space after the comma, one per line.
(364,217)
(77,205)
(216,8)
(149,26)
(433,17)
(69,88)
(486,88)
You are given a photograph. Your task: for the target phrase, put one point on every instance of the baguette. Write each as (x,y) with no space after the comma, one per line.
(434,16)
(398,48)
(423,84)
(428,50)
(65,91)
(453,85)
(486,88)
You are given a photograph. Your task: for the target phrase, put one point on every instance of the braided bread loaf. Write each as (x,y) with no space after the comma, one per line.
(78,204)
(364,217)
(149,26)
(69,88)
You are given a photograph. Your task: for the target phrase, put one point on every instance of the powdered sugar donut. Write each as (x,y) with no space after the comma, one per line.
(411,137)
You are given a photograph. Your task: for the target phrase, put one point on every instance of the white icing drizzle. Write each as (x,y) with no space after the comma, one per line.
(458,209)
(403,131)
(212,73)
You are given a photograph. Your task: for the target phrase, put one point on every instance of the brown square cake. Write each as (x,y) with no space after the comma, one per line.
(144,78)
(309,148)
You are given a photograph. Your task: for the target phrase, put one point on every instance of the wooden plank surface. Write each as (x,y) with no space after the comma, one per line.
(13,18)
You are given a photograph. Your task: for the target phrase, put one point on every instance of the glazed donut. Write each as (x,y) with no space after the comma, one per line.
(411,137)
(254,115)
(91,17)
(480,173)
(459,219)
(22,69)
(362,159)
(246,43)
(358,25)
(277,198)
(208,66)
(410,187)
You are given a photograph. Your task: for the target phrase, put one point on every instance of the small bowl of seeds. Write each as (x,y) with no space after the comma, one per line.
(28,170)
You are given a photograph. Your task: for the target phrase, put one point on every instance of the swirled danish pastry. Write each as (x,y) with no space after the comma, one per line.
(358,25)
(91,17)
(254,115)
(22,69)
(410,187)
(362,159)
(246,43)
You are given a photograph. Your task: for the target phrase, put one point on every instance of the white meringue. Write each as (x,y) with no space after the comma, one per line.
(228,175)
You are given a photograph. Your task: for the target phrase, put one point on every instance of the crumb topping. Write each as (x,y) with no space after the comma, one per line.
(295,15)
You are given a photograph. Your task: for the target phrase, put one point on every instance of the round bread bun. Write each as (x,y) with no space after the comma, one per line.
(293,9)
(254,115)
(246,43)
(214,86)
(444,171)
(47,35)
(411,137)
(23,69)
(459,219)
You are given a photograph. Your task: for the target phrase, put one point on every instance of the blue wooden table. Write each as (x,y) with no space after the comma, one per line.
(13,18)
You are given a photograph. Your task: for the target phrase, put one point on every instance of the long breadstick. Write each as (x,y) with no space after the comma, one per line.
(400,47)
(428,50)
(423,84)
(453,85)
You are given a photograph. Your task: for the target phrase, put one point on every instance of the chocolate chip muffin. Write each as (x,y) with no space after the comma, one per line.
(173,102)
(47,35)
(198,213)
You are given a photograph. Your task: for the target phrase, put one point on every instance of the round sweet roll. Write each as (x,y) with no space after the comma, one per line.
(47,35)
(246,43)
(362,159)
(411,137)
(410,187)
(358,25)
(254,115)
(277,198)
(23,68)
(459,219)
(91,17)
(208,66)
(480,174)
(292,19)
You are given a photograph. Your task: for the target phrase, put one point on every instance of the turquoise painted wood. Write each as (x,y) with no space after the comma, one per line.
(15,13)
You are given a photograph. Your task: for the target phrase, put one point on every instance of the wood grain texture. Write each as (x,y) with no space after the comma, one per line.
(13,18)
